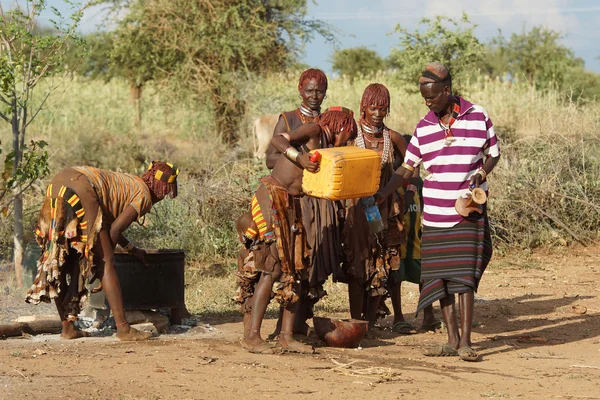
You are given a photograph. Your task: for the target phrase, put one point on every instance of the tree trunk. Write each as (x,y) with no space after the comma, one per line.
(19,244)
(135,98)
(18,200)
(229,112)
(31,328)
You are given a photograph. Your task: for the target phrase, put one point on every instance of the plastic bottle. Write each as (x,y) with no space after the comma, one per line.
(372,213)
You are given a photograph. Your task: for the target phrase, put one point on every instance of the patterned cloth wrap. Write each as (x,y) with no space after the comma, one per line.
(66,236)
(284,230)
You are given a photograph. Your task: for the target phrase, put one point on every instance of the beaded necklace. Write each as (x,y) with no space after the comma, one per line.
(449,137)
(387,142)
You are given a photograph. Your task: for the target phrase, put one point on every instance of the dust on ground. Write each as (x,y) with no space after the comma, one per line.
(537,325)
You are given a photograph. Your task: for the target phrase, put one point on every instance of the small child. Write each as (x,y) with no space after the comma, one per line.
(247,273)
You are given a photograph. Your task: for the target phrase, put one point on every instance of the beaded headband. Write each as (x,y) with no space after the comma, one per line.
(165,176)
(342,109)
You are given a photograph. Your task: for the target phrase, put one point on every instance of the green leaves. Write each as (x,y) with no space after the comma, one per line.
(34,165)
(201,45)
(30,52)
(449,41)
(357,61)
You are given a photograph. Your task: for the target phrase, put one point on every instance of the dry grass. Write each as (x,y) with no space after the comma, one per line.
(544,192)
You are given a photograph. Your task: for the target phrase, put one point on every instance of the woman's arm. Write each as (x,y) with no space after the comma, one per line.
(281,142)
(123,221)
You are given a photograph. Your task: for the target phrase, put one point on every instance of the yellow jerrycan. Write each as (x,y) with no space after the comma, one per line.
(344,173)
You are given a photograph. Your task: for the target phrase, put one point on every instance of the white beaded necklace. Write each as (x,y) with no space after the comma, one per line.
(360,142)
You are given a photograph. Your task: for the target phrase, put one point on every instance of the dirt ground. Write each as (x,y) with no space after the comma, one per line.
(537,325)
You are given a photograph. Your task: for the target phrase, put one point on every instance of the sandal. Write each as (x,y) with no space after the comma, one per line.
(263,348)
(444,350)
(404,328)
(434,326)
(468,354)
(295,346)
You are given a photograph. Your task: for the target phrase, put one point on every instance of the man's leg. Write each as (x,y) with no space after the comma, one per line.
(466,301)
(104,253)
(449,314)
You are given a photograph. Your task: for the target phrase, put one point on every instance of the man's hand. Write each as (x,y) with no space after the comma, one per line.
(475,181)
(304,161)
(140,254)
(378,198)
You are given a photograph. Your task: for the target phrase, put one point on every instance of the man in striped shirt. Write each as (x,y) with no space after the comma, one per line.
(456,144)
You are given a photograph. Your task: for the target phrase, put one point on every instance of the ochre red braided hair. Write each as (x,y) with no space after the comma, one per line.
(313,73)
(336,121)
(375,95)
(159,188)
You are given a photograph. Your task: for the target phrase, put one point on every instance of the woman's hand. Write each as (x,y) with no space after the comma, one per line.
(304,160)
(140,254)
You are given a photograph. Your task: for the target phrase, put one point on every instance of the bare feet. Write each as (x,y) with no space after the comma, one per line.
(70,332)
(289,344)
(129,334)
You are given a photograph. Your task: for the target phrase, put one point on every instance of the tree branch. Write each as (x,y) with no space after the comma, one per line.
(4,100)
(40,108)
(4,117)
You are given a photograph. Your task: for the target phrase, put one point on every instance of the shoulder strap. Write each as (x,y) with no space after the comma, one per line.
(287,123)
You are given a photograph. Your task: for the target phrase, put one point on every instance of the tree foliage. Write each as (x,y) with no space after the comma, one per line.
(449,41)
(29,55)
(96,60)
(537,57)
(206,45)
(356,61)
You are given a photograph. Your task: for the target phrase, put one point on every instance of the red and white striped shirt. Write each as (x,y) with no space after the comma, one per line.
(451,166)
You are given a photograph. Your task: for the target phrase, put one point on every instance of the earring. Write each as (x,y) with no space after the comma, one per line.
(324,97)
(300,97)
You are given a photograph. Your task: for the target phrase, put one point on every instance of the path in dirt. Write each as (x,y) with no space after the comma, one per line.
(537,330)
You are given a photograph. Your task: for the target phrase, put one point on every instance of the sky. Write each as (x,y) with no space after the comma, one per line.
(371,23)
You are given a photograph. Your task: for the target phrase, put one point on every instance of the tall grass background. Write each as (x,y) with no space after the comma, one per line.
(545,190)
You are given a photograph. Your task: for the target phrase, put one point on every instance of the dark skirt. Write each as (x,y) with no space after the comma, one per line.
(454,259)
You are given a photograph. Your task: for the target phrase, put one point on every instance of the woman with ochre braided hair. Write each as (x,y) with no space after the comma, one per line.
(83,217)
(369,257)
